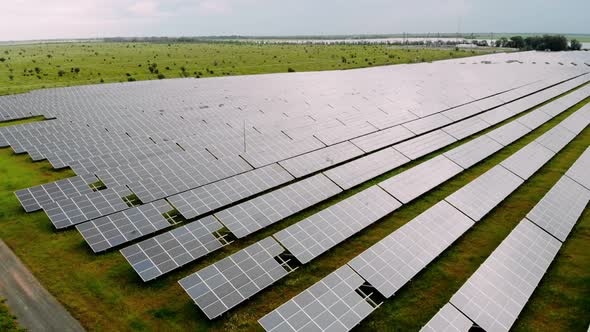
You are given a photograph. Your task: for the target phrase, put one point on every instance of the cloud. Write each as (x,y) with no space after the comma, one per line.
(44,19)
(214,7)
(147,8)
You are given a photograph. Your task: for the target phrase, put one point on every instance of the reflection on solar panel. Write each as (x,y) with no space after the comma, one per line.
(332,304)
(425,144)
(448,319)
(381,139)
(496,293)
(418,180)
(560,208)
(225,284)
(320,159)
(393,261)
(579,171)
(526,161)
(215,195)
(115,229)
(35,198)
(161,254)
(262,211)
(474,151)
(366,168)
(313,236)
(480,196)
(71,211)
(556,138)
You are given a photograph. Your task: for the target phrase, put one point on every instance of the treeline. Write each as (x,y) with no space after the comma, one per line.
(540,43)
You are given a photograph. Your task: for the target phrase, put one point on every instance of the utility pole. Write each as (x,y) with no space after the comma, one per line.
(244,135)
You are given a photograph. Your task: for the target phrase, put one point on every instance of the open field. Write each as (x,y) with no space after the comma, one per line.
(56,65)
(102,290)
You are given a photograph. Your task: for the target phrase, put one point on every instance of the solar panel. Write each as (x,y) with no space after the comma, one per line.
(474,151)
(577,121)
(266,157)
(418,180)
(526,161)
(466,128)
(248,217)
(320,159)
(392,262)
(481,195)
(71,211)
(363,169)
(496,115)
(428,123)
(34,198)
(508,133)
(212,196)
(186,178)
(315,235)
(332,304)
(423,145)
(534,119)
(230,281)
(497,292)
(336,135)
(556,138)
(121,227)
(462,111)
(161,254)
(448,319)
(394,117)
(383,138)
(579,170)
(560,208)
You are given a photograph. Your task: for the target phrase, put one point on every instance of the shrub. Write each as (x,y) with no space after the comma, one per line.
(161,76)
(290,70)
(61,73)
(575,45)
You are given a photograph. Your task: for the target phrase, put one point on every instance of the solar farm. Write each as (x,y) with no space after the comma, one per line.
(230,192)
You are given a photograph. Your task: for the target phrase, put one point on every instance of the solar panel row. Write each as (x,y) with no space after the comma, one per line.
(390,263)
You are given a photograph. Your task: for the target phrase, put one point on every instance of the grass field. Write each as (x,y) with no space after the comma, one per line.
(7,320)
(28,67)
(102,291)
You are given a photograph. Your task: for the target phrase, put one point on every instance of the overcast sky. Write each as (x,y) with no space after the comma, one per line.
(47,19)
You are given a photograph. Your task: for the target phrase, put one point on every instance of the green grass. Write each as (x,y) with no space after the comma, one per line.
(91,286)
(8,322)
(37,66)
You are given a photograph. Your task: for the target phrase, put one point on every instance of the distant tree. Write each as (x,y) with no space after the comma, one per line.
(575,45)
(2,59)
(61,73)
(517,42)
(161,76)
(290,70)
(11,77)
(76,70)
(131,79)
